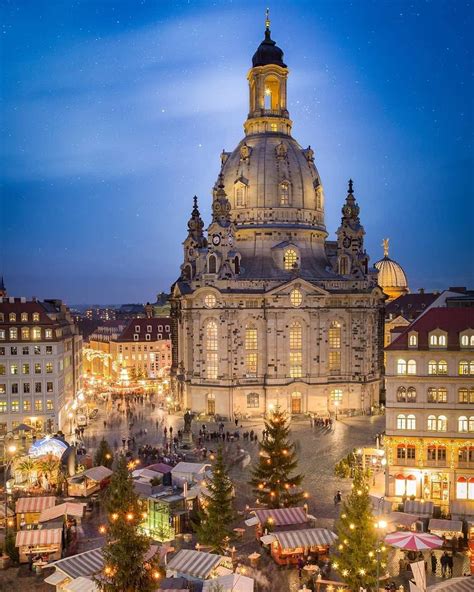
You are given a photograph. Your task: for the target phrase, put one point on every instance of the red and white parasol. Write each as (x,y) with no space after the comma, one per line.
(413,541)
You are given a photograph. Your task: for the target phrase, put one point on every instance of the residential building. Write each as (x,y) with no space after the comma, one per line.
(430,410)
(97,355)
(40,364)
(267,311)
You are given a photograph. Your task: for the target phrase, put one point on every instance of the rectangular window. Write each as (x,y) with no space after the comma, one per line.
(38,350)
(3,388)
(2,370)
(2,351)
(49,387)
(2,334)
(49,349)
(27,405)
(36,317)
(13,368)
(296,364)
(37,387)
(25,369)
(48,334)
(36,333)
(253,401)
(251,363)
(24,317)
(15,406)
(37,368)
(25,333)
(49,405)
(3,406)
(49,368)
(26,350)
(13,333)
(13,351)
(26,387)
(334,360)
(14,388)
(38,405)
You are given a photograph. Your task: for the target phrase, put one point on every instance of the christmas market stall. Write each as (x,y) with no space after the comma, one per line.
(88,482)
(273,520)
(46,543)
(28,509)
(63,513)
(85,565)
(287,547)
(401,521)
(198,565)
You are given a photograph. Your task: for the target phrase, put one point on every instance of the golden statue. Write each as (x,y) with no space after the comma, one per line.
(385,242)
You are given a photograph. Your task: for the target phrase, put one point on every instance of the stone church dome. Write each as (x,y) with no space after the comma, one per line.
(391,278)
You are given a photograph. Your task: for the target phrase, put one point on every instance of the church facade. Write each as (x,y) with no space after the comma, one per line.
(266,310)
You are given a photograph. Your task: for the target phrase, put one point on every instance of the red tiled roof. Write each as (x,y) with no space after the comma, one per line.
(17,306)
(451,320)
(160,329)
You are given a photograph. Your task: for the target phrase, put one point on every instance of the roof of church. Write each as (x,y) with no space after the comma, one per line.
(391,274)
(410,306)
(268,53)
(450,320)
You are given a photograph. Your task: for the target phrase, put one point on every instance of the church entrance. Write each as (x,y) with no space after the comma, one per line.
(296,406)
(211,404)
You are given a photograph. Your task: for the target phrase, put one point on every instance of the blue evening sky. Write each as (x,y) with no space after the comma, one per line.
(114,115)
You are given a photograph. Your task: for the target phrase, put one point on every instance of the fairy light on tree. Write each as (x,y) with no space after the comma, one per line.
(273,479)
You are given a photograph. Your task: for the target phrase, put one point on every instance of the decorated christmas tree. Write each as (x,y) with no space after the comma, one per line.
(127,565)
(104,455)
(214,526)
(359,547)
(274,478)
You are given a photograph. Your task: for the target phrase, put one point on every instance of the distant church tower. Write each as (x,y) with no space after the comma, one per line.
(3,290)
(266,310)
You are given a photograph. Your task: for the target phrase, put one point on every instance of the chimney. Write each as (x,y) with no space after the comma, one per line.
(421,291)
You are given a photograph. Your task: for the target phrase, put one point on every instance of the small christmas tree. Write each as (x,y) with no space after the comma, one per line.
(214,526)
(358,547)
(273,479)
(125,567)
(104,455)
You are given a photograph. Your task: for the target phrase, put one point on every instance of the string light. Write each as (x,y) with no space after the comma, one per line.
(114,517)
(102,529)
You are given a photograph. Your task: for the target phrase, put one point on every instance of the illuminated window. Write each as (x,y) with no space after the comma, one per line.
(290,259)
(251,355)
(3,406)
(3,388)
(48,333)
(27,405)
(464,340)
(411,394)
(413,341)
(463,368)
(336,395)
(437,395)
(296,298)
(49,368)
(36,333)
(431,423)
(26,388)
(38,405)
(211,350)
(25,333)
(49,387)
(407,451)
(284,193)
(210,300)
(37,368)
(462,424)
(36,317)
(401,394)
(411,367)
(211,404)
(24,317)
(15,406)
(273,127)
(471,423)
(335,335)
(13,333)
(466,395)
(3,370)
(405,485)
(12,317)
(253,401)
(401,422)
(411,422)
(442,423)
(442,367)
(401,366)
(296,355)
(49,405)
(13,368)
(240,195)
(334,361)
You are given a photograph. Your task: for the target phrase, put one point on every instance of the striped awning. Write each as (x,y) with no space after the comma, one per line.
(45,536)
(194,563)
(309,537)
(66,509)
(282,516)
(424,509)
(34,504)
(85,564)
(462,584)
(445,525)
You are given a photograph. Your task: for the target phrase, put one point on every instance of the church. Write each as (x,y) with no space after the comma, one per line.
(266,310)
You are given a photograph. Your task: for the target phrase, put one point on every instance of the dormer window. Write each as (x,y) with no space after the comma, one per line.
(466,340)
(24,317)
(290,259)
(149,328)
(135,337)
(438,340)
(12,317)
(413,340)
(36,317)
(284,193)
(137,328)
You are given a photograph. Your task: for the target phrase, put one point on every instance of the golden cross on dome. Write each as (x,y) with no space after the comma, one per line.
(267,19)
(385,246)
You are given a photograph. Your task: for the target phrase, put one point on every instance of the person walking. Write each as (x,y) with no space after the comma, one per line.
(444,564)
(434,562)
(450,565)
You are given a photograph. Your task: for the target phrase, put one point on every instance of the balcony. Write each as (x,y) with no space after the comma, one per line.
(405,462)
(437,463)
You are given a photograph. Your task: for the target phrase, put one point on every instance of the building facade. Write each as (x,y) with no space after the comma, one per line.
(430,409)
(40,364)
(97,355)
(266,310)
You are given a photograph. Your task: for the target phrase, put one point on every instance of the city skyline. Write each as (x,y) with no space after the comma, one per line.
(114,120)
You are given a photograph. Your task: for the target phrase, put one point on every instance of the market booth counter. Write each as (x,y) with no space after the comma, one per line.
(89,481)
(45,542)
(287,547)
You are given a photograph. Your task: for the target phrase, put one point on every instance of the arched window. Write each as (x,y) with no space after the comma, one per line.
(284,193)
(290,259)
(471,423)
(401,394)
(463,368)
(432,367)
(240,194)
(411,422)
(334,338)
(187,273)
(296,353)
(412,340)
(401,422)
(251,350)
(401,366)
(212,264)
(253,401)
(462,424)
(442,423)
(411,394)
(411,367)
(464,340)
(442,367)
(442,340)
(211,350)
(12,317)
(431,423)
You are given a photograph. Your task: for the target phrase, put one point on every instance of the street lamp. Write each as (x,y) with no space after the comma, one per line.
(10,450)
(380,525)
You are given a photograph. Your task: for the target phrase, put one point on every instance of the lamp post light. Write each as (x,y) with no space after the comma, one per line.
(380,525)
(10,450)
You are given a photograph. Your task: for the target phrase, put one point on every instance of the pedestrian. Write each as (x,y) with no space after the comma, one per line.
(450,565)
(236,422)
(171,431)
(165,431)
(434,562)
(444,564)
(300,566)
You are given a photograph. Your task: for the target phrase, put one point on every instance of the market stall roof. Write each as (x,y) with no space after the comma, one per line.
(66,509)
(160,468)
(445,525)
(98,473)
(26,505)
(55,578)
(189,467)
(83,564)
(402,518)
(462,584)
(194,563)
(283,516)
(253,521)
(230,583)
(421,508)
(175,584)
(81,584)
(44,536)
(308,537)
